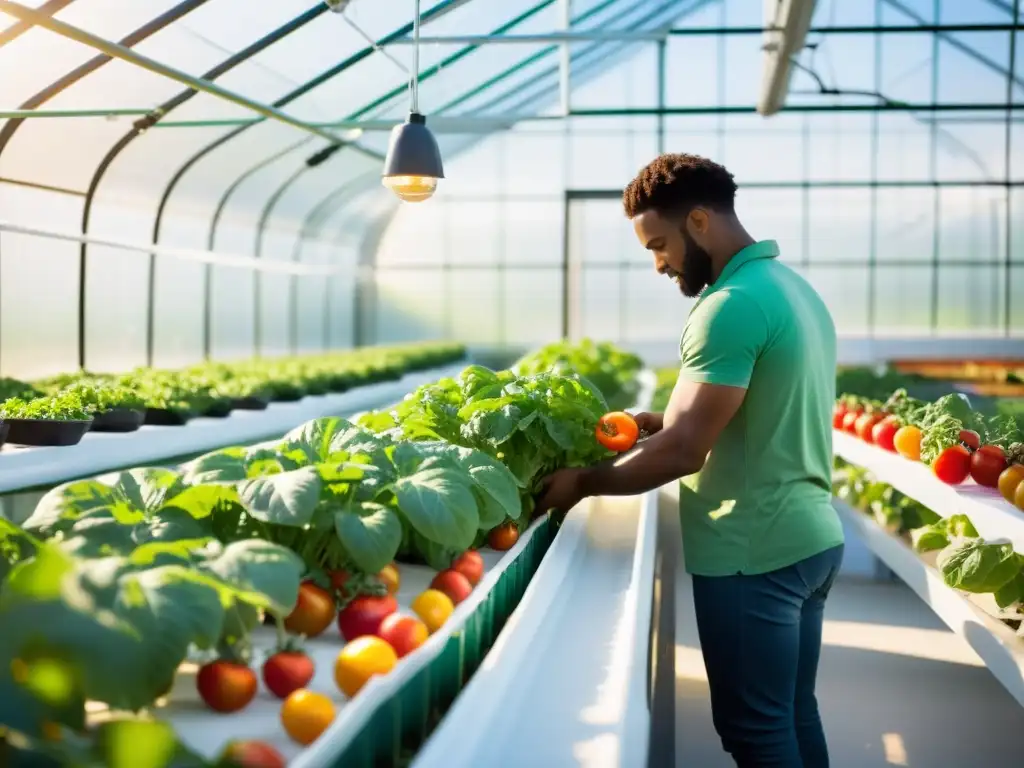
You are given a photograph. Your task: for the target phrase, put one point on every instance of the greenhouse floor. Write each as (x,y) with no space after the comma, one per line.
(896,687)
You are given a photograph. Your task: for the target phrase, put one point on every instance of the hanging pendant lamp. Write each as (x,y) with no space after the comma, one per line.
(412,166)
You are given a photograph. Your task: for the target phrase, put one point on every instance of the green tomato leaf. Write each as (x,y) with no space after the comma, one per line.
(288,498)
(261,574)
(314,437)
(223,466)
(440,505)
(201,501)
(371,535)
(60,507)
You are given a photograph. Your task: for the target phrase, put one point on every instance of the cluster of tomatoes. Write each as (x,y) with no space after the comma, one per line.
(376,636)
(987,465)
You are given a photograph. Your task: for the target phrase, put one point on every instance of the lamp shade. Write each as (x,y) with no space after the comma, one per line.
(413,162)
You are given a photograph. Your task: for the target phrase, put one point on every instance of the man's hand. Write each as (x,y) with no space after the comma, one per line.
(560,491)
(651,423)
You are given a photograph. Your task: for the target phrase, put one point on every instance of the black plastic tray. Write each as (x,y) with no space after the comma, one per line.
(218,410)
(46,432)
(162,417)
(118,420)
(250,403)
(5,429)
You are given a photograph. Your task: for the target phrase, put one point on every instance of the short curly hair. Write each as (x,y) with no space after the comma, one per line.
(676,181)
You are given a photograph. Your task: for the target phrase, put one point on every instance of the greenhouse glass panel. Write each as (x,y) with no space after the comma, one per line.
(775,214)
(845,292)
(835,225)
(904,224)
(972,224)
(532,306)
(474,305)
(902,305)
(970,300)
(772,151)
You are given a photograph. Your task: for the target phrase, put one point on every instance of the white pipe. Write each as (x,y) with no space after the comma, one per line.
(585,36)
(185,254)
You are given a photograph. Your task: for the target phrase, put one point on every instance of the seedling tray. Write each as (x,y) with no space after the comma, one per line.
(164,417)
(250,403)
(118,420)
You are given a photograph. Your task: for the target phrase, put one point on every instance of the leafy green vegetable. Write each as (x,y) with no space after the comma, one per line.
(97,397)
(977,565)
(611,370)
(63,407)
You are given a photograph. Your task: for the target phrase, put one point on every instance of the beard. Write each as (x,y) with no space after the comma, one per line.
(697,268)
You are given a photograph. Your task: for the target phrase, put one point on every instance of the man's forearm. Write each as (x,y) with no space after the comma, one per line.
(655,462)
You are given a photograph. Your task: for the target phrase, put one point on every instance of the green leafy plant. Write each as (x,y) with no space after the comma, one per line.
(99,397)
(611,370)
(67,406)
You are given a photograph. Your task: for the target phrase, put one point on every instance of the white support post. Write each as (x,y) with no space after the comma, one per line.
(565,60)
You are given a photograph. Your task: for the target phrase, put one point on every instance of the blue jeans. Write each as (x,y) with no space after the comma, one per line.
(761,639)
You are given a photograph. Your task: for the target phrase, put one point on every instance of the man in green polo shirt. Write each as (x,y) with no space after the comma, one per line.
(748,428)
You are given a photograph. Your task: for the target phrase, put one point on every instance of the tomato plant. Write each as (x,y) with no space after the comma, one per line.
(617,431)
(226,686)
(1011,478)
(251,754)
(969,439)
(883,434)
(907,442)
(504,537)
(471,565)
(305,715)
(953,465)
(286,671)
(403,633)
(390,579)
(364,614)
(453,584)
(339,580)
(313,612)
(360,660)
(987,464)
(433,608)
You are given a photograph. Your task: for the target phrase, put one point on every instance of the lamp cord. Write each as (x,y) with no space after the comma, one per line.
(416,57)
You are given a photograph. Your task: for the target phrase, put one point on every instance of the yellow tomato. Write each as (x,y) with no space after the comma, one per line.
(360,660)
(305,715)
(1010,480)
(907,442)
(433,607)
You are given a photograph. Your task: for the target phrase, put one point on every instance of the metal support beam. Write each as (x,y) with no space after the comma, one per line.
(117,51)
(565,59)
(543,38)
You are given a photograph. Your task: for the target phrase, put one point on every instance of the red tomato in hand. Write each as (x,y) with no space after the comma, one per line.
(970,439)
(287,671)
(617,431)
(363,616)
(987,464)
(403,633)
(313,612)
(453,584)
(226,686)
(883,434)
(865,423)
(471,565)
(251,754)
(850,421)
(953,465)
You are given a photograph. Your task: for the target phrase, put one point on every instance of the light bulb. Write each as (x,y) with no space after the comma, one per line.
(411,189)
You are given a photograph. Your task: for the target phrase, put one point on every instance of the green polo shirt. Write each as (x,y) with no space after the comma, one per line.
(763,499)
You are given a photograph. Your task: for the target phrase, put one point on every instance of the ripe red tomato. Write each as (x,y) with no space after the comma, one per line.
(363,616)
(403,633)
(251,754)
(850,421)
(453,584)
(286,672)
(471,565)
(865,423)
(987,464)
(970,439)
(953,465)
(837,415)
(313,612)
(504,537)
(226,686)
(883,434)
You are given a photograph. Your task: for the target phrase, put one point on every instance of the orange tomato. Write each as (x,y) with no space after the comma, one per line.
(360,660)
(1010,480)
(617,431)
(907,442)
(305,715)
(434,608)
(1018,497)
(313,612)
(390,579)
(504,537)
